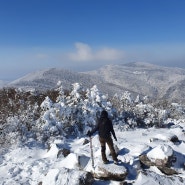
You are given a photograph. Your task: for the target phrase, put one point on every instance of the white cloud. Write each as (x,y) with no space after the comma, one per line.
(85,53)
(41,56)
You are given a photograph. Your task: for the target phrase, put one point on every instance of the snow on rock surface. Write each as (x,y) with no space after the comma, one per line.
(66,176)
(70,162)
(152,178)
(160,152)
(110,171)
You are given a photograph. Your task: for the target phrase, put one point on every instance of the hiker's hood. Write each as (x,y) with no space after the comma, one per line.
(104,114)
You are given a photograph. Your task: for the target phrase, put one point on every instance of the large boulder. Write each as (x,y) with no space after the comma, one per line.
(75,161)
(110,171)
(66,176)
(161,157)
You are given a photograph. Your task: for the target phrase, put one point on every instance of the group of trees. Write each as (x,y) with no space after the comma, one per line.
(45,115)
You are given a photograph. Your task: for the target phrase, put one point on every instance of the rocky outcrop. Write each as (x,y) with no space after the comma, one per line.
(162,157)
(162,165)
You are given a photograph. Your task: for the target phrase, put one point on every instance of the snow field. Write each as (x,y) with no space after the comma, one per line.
(31,165)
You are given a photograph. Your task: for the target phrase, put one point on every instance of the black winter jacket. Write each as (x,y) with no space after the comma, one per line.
(105,128)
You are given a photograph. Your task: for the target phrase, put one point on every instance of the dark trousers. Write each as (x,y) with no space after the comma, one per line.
(110,144)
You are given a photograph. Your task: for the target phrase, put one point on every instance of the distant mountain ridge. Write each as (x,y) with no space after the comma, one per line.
(147,79)
(48,79)
(139,78)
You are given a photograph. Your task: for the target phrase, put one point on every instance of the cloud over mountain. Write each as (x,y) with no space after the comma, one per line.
(85,53)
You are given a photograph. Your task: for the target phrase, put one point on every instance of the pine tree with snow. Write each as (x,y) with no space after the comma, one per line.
(93,104)
(47,123)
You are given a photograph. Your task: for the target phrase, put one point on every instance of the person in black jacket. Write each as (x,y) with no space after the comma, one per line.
(105,129)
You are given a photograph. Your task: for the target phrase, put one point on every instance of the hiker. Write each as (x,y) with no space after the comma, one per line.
(105,128)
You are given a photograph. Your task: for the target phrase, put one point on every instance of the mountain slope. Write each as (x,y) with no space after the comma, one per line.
(147,79)
(139,78)
(48,78)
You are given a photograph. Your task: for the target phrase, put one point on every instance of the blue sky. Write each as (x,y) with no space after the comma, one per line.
(86,34)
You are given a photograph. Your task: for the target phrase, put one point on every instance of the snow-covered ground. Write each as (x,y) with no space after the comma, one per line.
(33,163)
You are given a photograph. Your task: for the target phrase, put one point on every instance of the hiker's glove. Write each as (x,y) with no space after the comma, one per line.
(89,133)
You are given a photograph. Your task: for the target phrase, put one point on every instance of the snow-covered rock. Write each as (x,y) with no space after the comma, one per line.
(56,151)
(160,154)
(162,157)
(110,172)
(152,178)
(66,176)
(74,161)
(165,138)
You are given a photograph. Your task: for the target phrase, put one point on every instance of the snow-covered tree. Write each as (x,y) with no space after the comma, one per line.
(57,113)
(47,123)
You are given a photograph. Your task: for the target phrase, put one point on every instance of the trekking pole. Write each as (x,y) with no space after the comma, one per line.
(92,156)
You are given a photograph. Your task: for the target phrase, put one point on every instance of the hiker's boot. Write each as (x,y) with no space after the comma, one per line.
(117,162)
(106,162)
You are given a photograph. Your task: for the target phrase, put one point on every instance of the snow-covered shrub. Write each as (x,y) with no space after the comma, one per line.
(14,131)
(47,124)
(59,112)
